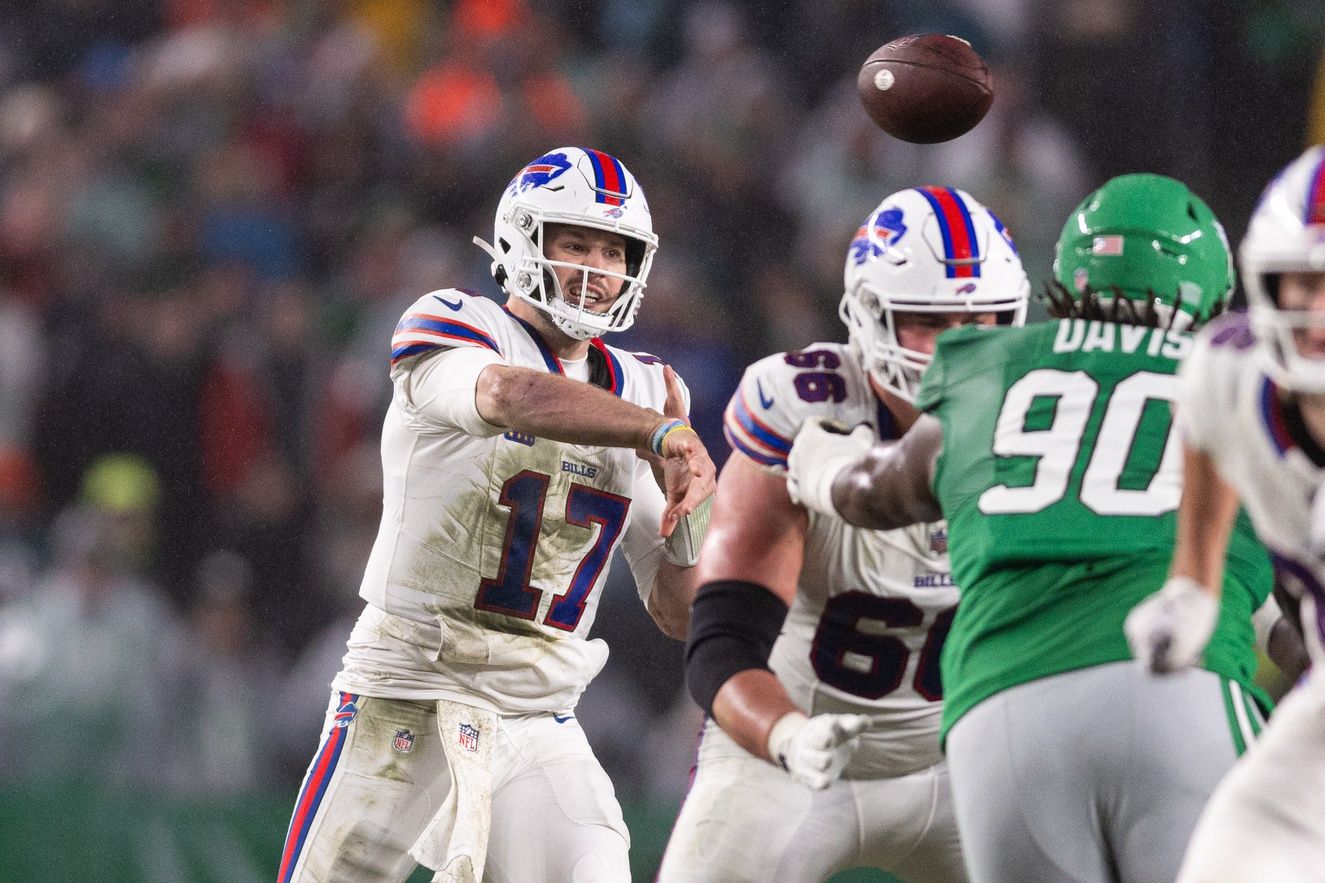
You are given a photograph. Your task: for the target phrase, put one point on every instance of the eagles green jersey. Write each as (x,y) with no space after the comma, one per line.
(1060,477)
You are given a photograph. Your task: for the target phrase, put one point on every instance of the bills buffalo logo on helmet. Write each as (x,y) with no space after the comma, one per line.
(540,172)
(887,228)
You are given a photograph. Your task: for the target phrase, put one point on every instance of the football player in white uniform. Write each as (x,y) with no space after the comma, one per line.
(1252,414)
(862,614)
(519,452)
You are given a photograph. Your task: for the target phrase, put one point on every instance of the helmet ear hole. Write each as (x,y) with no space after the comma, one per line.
(1272,287)
(635,250)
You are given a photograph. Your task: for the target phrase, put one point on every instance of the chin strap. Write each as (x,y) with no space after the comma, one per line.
(570,329)
(489,250)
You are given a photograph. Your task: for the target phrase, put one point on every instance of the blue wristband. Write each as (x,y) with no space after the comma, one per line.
(661,433)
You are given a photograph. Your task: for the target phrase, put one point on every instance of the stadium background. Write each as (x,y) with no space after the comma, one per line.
(213,211)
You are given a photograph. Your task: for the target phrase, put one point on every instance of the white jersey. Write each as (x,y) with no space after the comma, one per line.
(1230,409)
(494,546)
(872,607)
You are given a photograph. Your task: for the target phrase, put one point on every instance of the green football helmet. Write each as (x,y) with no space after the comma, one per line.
(1154,240)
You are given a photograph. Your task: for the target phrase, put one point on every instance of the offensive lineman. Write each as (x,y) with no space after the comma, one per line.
(1252,414)
(1048,449)
(868,610)
(514,457)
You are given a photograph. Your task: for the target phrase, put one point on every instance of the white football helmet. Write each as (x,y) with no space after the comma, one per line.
(1286,233)
(586,188)
(926,250)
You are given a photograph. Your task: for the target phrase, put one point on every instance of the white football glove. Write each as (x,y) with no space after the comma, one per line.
(815,750)
(822,449)
(1169,630)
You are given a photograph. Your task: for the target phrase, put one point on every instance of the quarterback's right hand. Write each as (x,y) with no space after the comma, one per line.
(1169,630)
(685,472)
(815,750)
(822,449)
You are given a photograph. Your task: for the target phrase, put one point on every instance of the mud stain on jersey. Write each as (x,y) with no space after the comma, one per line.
(522,519)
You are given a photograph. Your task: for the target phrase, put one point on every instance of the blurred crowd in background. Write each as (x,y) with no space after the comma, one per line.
(212,213)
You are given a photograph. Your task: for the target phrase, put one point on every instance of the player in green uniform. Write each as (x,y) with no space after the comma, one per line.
(1048,449)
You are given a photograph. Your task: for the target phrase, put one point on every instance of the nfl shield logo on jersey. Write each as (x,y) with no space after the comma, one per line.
(938,540)
(404,741)
(468,737)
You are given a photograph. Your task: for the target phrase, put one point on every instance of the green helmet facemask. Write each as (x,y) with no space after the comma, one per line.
(1147,236)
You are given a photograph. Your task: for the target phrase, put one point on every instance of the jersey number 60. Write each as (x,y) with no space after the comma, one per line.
(855,651)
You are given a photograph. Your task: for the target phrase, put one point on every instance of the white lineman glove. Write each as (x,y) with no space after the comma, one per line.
(822,449)
(816,749)
(1169,630)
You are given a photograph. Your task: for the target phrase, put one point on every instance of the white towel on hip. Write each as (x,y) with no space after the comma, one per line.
(455,841)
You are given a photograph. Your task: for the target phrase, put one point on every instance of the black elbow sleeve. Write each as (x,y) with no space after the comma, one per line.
(733,625)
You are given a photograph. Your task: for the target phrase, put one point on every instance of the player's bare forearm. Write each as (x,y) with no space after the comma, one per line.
(891,486)
(669,602)
(756,534)
(564,410)
(1205,521)
(748,706)
(756,540)
(561,409)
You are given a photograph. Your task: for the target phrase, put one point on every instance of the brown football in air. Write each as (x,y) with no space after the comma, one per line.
(925,88)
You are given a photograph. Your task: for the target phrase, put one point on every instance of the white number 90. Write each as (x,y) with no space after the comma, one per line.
(1059,445)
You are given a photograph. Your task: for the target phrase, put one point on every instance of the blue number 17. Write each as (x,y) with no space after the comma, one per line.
(510,592)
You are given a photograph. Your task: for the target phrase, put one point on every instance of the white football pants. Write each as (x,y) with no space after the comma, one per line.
(747,820)
(380,775)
